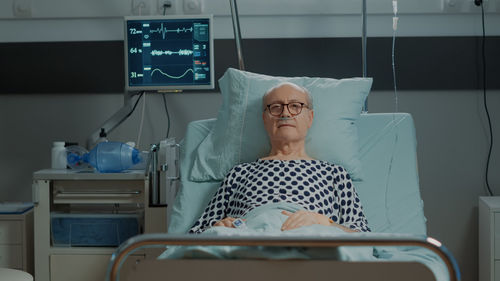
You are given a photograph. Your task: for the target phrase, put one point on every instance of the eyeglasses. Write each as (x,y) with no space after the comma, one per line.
(295,108)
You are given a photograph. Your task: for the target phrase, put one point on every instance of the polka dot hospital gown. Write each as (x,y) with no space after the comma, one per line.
(315,185)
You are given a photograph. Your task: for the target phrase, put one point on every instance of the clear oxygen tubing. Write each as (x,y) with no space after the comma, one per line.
(363,48)
(395,20)
(396,109)
(284,118)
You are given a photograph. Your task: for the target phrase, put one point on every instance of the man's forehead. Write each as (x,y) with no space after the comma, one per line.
(288,92)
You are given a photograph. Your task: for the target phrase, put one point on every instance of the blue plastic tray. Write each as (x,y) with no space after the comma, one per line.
(92,230)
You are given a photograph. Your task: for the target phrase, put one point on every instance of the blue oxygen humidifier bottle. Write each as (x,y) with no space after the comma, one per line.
(112,157)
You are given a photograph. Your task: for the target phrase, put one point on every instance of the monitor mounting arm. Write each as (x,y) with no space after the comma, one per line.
(113,122)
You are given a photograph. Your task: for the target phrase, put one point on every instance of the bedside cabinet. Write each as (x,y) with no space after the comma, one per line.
(91,203)
(16,241)
(489,238)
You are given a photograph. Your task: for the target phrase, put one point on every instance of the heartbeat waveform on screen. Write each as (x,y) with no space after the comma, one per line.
(164,31)
(171,76)
(181,52)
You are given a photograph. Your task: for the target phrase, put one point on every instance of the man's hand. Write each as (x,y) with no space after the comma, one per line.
(227,222)
(303,218)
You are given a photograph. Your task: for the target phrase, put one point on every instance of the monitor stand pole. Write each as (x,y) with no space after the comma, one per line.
(237,33)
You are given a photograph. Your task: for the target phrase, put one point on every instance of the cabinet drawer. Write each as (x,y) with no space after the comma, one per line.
(10,232)
(98,192)
(11,256)
(76,267)
(496,235)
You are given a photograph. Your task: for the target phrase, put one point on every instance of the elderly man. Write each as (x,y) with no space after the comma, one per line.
(323,192)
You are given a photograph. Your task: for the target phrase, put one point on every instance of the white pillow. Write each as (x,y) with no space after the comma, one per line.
(239,135)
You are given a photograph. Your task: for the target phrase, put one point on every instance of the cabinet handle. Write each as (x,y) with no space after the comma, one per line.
(98,192)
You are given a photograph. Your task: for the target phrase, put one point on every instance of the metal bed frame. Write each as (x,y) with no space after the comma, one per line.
(394,270)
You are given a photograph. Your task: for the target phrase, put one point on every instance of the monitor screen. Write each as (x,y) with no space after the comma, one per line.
(165,53)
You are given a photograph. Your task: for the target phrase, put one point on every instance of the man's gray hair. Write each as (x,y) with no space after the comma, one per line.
(300,88)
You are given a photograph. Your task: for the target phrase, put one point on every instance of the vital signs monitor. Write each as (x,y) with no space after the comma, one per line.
(168,53)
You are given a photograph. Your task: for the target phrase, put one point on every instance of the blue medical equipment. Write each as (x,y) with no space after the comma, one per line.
(107,157)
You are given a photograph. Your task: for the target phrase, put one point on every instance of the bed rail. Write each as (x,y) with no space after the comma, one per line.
(144,241)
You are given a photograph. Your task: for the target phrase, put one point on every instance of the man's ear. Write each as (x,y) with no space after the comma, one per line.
(311,118)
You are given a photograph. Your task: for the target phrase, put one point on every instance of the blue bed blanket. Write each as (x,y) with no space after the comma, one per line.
(266,221)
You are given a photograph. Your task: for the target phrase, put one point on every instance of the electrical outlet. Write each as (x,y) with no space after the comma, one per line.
(452,6)
(171,7)
(141,7)
(193,6)
(462,6)
(473,5)
(22,8)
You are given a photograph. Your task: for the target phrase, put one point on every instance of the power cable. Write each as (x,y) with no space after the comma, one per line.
(485,103)
(166,112)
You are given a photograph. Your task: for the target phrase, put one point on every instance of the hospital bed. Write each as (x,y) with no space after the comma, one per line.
(384,165)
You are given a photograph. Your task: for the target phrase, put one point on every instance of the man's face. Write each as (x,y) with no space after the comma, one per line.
(287,126)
